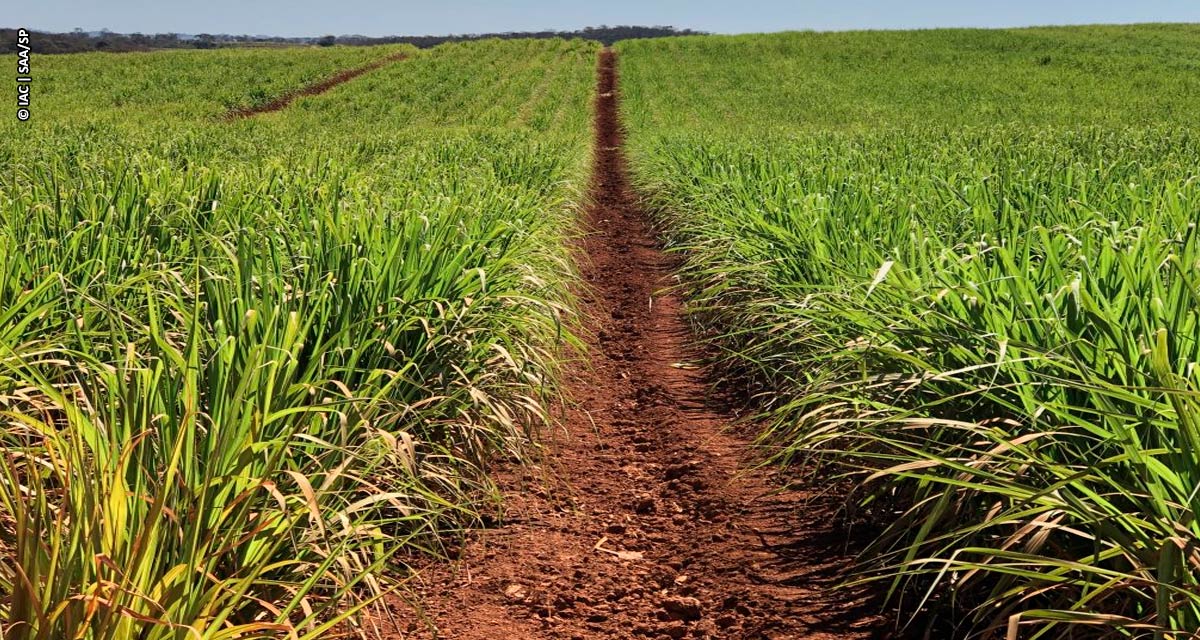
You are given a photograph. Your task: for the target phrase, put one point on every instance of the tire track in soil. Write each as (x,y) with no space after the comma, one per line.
(313,89)
(652,525)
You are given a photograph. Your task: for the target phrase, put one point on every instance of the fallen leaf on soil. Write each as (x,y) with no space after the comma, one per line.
(623,555)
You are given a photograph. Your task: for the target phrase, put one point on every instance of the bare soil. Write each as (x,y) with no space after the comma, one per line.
(313,89)
(647,519)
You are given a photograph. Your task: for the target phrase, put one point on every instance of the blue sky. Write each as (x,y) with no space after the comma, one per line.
(407,17)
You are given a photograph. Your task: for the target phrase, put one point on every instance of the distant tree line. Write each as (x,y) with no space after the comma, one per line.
(79,41)
(604,34)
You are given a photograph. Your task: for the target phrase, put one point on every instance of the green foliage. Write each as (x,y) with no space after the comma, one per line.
(859,81)
(962,267)
(247,367)
(470,87)
(160,88)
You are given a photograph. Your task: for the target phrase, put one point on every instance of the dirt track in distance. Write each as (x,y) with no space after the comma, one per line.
(646,520)
(313,89)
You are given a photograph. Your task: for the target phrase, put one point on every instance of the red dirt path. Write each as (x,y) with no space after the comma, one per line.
(651,525)
(313,89)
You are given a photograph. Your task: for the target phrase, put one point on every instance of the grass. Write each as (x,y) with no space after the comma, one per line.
(248,370)
(148,88)
(974,293)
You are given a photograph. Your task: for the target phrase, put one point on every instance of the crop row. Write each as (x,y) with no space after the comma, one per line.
(248,369)
(990,325)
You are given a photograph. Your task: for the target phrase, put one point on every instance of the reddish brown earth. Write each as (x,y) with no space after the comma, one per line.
(313,89)
(646,520)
